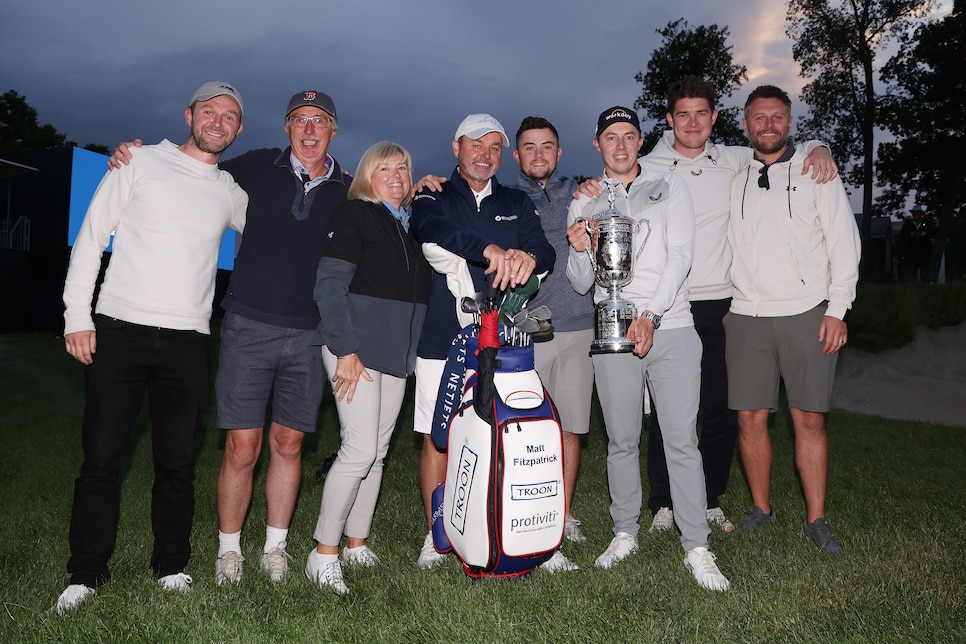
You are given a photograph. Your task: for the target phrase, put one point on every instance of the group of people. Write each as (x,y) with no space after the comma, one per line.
(332,282)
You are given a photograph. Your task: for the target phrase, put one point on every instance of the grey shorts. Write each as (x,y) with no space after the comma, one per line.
(760,351)
(257,360)
(567,371)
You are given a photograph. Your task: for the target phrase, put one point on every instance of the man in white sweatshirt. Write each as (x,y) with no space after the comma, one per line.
(166,212)
(796,255)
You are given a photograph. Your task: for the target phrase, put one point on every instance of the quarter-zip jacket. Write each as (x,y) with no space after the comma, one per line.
(372,288)
(795,245)
(451,219)
(660,282)
(571,311)
(274,273)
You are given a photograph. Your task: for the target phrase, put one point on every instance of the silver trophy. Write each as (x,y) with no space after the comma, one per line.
(612,258)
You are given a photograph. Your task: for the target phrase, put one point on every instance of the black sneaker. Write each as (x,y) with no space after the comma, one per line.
(755,519)
(820,532)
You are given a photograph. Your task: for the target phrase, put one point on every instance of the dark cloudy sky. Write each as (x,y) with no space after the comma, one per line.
(102,71)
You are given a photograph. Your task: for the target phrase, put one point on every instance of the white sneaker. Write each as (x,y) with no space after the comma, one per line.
(361,556)
(275,563)
(558,563)
(717,517)
(620,547)
(428,555)
(72,597)
(700,562)
(228,568)
(572,530)
(179,582)
(326,575)
(663,520)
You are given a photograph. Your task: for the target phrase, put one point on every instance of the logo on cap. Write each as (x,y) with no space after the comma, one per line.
(310,96)
(618,114)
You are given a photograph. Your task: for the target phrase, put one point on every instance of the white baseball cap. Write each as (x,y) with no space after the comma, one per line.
(476,126)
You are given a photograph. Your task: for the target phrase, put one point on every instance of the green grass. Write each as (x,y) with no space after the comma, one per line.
(895,500)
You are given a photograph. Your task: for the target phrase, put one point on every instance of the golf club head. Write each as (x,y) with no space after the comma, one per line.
(469,305)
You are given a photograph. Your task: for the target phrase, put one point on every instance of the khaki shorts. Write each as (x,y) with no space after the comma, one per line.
(762,351)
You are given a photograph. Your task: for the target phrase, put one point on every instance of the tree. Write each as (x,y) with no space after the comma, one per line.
(835,43)
(19,129)
(700,51)
(922,110)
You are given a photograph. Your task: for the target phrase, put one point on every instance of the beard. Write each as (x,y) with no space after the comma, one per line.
(769,147)
(197,136)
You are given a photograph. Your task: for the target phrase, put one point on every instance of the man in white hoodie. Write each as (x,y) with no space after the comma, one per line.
(796,255)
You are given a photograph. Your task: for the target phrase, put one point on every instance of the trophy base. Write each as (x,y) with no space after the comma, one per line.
(611,345)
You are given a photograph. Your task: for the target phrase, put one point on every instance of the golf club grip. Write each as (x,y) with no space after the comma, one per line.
(492,297)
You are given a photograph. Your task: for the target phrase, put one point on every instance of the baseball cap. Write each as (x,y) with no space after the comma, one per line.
(212,89)
(616,114)
(477,125)
(314,99)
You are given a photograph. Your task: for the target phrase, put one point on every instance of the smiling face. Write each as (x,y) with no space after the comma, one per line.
(767,123)
(537,153)
(479,159)
(214,125)
(392,180)
(691,121)
(618,146)
(310,142)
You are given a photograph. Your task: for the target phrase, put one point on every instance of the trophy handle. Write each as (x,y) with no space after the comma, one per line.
(637,229)
(590,243)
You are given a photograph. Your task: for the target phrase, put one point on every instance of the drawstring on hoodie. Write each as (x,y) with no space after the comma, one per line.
(764,185)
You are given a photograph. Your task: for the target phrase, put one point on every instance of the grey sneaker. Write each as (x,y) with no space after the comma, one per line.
(558,563)
(228,568)
(663,520)
(326,575)
(820,532)
(178,582)
(716,517)
(71,598)
(275,563)
(755,519)
(572,530)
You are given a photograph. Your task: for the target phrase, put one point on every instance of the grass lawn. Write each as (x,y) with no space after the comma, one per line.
(895,500)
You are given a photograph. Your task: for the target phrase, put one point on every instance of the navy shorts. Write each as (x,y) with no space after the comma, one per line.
(257,360)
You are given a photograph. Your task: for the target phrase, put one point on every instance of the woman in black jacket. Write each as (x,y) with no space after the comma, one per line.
(371,289)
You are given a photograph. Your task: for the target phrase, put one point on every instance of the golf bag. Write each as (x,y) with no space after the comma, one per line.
(501,506)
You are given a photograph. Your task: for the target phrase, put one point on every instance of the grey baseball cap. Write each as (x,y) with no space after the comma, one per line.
(212,89)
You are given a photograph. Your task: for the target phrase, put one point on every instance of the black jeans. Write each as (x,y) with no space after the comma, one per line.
(172,368)
(719,425)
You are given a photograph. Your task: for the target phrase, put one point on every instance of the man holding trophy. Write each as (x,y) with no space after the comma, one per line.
(636,241)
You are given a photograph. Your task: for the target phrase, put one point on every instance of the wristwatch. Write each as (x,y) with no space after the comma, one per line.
(654,318)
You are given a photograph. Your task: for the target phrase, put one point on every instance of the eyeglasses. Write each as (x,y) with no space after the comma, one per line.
(317,121)
(763,178)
